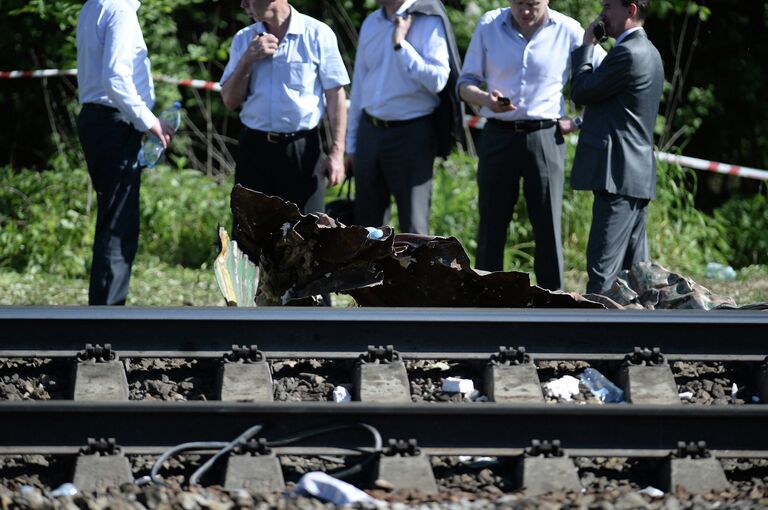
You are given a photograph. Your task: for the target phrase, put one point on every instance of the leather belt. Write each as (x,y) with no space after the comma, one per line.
(274,137)
(523,126)
(98,106)
(391,123)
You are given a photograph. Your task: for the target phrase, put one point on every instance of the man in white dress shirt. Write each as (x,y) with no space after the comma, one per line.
(514,70)
(401,66)
(284,70)
(117,96)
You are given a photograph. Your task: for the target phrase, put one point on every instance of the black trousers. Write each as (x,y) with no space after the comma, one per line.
(536,157)
(111,146)
(617,238)
(395,161)
(288,170)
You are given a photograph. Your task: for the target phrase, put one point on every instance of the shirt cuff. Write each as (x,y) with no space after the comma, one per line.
(146,120)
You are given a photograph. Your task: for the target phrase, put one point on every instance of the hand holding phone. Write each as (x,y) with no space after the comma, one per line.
(504,101)
(599,32)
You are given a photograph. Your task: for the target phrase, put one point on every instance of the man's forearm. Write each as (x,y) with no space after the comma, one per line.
(336,102)
(473,94)
(234,90)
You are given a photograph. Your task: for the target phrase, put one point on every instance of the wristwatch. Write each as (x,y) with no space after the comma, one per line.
(577,121)
(398,47)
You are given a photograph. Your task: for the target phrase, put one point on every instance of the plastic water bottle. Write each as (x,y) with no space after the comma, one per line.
(152,148)
(720,271)
(601,387)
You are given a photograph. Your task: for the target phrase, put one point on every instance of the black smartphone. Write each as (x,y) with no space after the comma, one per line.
(599,32)
(504,101)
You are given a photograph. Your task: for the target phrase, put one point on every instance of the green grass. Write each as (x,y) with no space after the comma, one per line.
(157,284)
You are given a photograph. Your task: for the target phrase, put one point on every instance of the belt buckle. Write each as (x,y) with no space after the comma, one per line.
(518,127)
(273,137)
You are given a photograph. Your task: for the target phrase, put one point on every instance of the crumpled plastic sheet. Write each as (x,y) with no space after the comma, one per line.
(327,488)
(302,256)
(565,388)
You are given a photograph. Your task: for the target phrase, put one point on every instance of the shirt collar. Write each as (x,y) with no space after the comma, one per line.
(626,33)
(510,20)
(296,24)
(406,5)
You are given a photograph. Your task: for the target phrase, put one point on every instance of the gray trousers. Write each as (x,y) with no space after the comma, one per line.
(395,161)
(111,146)
(536,157)
(617,238)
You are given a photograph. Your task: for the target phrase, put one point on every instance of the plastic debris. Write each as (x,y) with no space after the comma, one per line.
(564,388)
(755,399)
(686,395)
(341,395)
(652,492)
(458,385)
(720,271)
(374,233)
(327,488)
(734,390)
(477,462)
(65,489)
(601,386)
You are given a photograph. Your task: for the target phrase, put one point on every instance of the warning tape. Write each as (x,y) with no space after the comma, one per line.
(472,121)
(47,73)
(478,122)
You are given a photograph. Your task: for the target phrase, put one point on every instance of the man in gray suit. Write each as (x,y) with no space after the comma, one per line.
(614,157)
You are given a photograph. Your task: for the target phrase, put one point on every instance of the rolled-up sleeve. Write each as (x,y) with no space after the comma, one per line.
(431,70)
(118,69)
(473,70)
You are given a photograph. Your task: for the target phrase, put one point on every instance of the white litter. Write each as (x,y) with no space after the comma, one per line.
(734,390)
(65,489)
(652,492)
(341,395)
(458,385)
(565,387)
(327,488)
(477,462)
(686,395)
(285,228)
(374,233)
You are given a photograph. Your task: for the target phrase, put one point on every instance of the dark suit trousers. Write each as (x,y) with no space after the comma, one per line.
(111,146)
(536,157)
(617,238)
(288,170)
(395,161)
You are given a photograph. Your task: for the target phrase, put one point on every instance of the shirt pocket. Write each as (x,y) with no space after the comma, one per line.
(300,76)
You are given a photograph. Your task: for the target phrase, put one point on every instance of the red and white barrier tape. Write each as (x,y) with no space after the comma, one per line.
(47,73)
(472,121)
(477,122)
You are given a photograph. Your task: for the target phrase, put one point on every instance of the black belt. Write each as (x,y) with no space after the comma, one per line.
(98,106)
(523,126)
(274,137)
(391,123)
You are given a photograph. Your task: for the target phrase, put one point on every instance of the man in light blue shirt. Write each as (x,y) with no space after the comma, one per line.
(283,72)
(117,96)
(401,66)
(514,70)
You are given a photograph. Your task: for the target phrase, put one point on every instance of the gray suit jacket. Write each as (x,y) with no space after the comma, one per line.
(621,96)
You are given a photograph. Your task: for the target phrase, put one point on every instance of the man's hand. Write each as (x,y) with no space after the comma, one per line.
(163,131)
(567,125)
(262,46)
(402,25)
(333,168)
(589,33)
(495,101)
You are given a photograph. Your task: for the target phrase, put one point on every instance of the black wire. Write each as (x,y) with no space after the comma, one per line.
(228,447)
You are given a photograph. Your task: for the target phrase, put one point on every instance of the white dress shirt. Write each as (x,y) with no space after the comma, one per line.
(112,64)
(286,92)
(400,84)
(530,73)
(625,33)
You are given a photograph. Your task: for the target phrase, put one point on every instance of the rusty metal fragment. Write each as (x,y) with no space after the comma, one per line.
(301,256)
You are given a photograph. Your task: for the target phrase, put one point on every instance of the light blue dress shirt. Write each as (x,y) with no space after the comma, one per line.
(112,64)
(625,33)
(397,85)
(286,92)
(531,73)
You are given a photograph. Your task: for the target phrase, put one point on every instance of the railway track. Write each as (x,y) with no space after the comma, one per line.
(507,428)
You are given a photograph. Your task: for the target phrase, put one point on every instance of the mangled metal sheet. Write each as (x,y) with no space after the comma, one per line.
(301,256)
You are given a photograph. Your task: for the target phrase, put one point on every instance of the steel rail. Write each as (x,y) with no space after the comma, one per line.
(500,429)
(416,333)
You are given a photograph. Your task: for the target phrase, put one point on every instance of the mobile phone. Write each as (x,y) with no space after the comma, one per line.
(599,32)
(505,101)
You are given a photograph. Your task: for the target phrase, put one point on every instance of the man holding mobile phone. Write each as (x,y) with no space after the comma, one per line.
(514,70)
(614,158)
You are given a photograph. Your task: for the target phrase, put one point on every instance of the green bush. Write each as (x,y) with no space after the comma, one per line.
(47,218)
(746,220)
